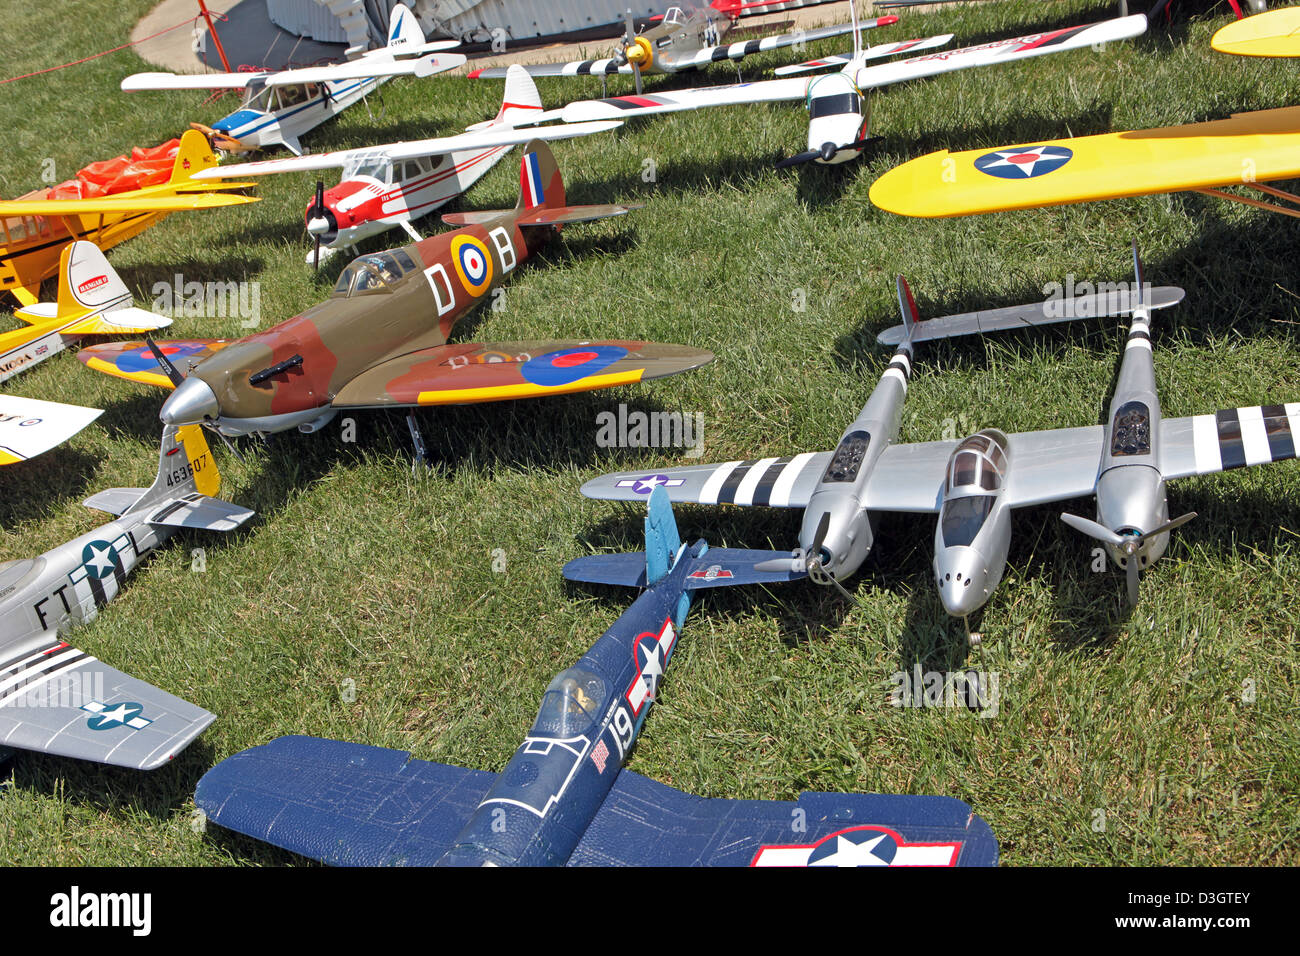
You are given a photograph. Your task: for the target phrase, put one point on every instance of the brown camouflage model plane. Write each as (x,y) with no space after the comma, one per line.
(381,339)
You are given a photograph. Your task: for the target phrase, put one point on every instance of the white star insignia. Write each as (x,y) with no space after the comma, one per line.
(101,561)
(848,853)
(1007,156)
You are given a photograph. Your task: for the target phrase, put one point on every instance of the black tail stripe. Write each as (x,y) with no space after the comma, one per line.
(728,493)
(1231,449)
(1281,441)
(763,493)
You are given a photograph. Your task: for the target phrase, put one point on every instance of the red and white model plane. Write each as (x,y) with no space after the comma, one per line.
(383,187)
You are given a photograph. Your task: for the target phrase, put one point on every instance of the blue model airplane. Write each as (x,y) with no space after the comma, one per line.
(562,798)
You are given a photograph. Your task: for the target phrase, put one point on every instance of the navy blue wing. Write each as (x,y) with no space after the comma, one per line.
(644,823)
(341,803)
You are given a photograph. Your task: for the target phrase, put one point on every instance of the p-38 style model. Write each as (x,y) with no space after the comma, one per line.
(686,38)
(57,699)
(973,484)
(564,799)
(837,108)
(381,339)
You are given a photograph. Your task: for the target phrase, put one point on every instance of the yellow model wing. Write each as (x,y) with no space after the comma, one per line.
(112,205)
(1248,147)
(1274,33)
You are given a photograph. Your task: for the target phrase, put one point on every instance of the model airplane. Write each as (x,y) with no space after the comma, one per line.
(973,484)
(92,301)
(280,106)
(838,115)
(1247,151)
(563,799)
(685,39)
(57,699)
(387,186)
(381,339)
(34,228)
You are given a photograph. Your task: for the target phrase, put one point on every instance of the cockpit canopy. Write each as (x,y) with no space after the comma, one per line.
(977,472)
(371,165)
(833,95)
(572,703)
(674,16)
(979,464)
(847,460)
(373,273)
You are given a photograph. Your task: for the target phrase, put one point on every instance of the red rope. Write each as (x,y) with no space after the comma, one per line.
(94,56)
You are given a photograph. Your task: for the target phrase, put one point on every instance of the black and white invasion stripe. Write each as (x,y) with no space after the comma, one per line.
(1237,437)
(28,671)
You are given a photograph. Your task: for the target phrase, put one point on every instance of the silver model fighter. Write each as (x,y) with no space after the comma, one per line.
(972,484)
(57,699)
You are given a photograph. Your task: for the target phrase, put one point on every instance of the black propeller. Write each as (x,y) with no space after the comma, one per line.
(320,223)
(173,374)
(1128,544)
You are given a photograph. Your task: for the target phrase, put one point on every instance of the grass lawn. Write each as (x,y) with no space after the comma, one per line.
(1163,737)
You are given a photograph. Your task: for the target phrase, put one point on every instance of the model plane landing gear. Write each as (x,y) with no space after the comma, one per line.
(417,439)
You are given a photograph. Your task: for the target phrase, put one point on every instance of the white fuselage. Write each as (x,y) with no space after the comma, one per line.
(69,584)
(268,118)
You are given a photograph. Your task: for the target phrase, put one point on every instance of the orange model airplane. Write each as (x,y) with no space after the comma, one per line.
(107,203)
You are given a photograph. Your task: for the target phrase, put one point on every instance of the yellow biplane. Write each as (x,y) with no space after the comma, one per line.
(1244,153)
(34,228)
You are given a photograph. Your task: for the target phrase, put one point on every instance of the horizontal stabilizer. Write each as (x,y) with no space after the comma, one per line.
(467,373)
(199,512)
(135,362)
(645,823)
(341,803)
(68,703)
(128,320)
(716,568)
(115,501)
(543,216)
(29,426)
(1050,312)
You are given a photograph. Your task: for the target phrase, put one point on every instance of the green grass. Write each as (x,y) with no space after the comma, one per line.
(357,571)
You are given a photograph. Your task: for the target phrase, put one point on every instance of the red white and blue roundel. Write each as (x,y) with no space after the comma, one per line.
(568,365)
(1024,163)
(142,360)
(473,264)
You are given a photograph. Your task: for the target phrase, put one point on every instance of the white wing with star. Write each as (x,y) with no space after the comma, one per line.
(56,699)
(776,482)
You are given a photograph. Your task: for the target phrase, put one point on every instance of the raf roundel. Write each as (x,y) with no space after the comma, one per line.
(142,360)
(1024,163)
(568,365)
(473,264)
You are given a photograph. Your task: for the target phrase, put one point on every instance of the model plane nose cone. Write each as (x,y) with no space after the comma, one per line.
(638,52)
(193,402)
(318,226)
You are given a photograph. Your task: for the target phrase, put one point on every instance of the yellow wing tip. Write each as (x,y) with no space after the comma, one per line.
(501,393)
(146,378)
